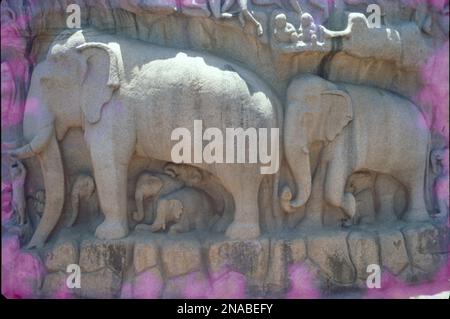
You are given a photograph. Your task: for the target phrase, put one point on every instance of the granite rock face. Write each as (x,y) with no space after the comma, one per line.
(223,149)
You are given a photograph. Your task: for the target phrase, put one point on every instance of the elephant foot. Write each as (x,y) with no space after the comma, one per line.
(111,230)
(243,231)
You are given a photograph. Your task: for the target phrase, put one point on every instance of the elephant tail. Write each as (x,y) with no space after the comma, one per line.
(276,201)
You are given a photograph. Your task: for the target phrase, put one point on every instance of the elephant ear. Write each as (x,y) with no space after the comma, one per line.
(339,106)
(100,78)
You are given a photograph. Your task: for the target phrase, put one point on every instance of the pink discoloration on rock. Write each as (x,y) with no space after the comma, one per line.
(22,272)
(302,283)
(146,285)
(394,288)
(434,94)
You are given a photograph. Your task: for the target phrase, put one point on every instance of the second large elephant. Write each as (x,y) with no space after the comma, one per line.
(361,129)
(128,97)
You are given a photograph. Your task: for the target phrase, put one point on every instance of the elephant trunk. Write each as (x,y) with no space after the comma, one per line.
(39,130)
(53,173)
(297,156)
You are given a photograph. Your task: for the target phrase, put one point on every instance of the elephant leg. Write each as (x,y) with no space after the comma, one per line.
(417,210)
(245,224)
(139,198)
(335,188)
(111,180)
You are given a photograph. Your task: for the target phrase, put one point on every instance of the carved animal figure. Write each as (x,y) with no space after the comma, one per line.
(284,31)
(18,174)
(347,119)
(120,91)
(153,186)
(82,189)
(187,208)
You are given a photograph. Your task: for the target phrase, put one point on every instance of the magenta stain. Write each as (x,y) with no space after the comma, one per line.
(22,272)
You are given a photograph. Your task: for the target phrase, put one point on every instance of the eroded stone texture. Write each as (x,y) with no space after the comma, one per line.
(180,258)
(364,251)
(249,258)
(95,255)
(422,242)
(103,283)
(62,255)
(145,255)
(394,255)
(330,253)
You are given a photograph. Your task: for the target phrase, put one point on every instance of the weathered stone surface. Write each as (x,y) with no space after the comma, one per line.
(277,272)
(328,250)
(62,255)
(181,257)
(145,255)
(364,251)
(146,285)
(422,242)
(55,286)
(296,249)
(104,283)
(190,286)
(394,256)
(249,257)
(95,254)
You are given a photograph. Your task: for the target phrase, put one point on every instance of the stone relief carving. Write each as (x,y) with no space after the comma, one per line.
(348,116)
(186,209)
(362,171)
(82,189)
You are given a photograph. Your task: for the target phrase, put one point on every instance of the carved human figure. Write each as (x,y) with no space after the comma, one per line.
(82,189)
(18,174)
(244,13)
(343,117)
(284,32)
(439,166)
(186,209)
(308,31)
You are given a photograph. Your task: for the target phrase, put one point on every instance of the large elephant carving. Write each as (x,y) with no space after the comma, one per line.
(128,97)
(362,129)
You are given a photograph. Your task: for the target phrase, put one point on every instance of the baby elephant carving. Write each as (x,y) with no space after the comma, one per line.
(183,210)
(153,186)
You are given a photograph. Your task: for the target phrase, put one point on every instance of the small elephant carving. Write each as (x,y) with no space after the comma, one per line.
(183,210)
(82,189)
(153,186)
